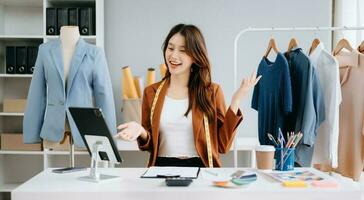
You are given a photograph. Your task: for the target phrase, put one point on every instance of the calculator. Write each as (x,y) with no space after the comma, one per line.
(178,181)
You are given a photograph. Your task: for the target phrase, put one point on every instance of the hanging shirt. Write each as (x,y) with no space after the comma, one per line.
(326,145)
(308,104)
(272,96)
(351,122)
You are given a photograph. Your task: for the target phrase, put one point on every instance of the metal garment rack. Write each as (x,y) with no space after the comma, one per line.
(273,29)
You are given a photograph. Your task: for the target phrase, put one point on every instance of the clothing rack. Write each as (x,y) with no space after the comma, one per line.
(273,29)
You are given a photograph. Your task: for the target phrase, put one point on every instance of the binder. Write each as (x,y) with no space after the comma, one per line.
(32,57)
(87,21)
(21,60)
(62,18)
(10,60)
(51,21)
(73,16)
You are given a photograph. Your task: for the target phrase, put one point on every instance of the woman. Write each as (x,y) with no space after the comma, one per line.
(177,111)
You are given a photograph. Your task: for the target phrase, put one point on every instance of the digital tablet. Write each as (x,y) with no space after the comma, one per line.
(94,130)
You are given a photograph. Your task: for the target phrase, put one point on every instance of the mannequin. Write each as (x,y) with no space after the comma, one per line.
(69,36)
(68,72)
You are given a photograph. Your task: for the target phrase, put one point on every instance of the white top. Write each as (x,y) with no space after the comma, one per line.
(176,137)
(326,146)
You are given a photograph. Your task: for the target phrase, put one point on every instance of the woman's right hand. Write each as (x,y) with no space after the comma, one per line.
(130,131)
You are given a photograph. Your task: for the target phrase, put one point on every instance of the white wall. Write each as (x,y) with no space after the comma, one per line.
(135,30)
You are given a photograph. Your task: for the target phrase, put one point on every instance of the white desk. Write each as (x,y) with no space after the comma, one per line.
(48,185)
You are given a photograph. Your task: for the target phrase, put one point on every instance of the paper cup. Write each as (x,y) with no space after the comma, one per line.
(265,156)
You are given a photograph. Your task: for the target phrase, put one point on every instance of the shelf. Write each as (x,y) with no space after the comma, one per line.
(11,152)
(23,23)
(71,2)
(88,38)
(11,114)
(28,3)
(85,37)
(13,38)
(65,152)
(21,19)
(8,187)
(16,75)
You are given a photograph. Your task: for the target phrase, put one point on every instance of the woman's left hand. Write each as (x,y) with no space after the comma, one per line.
(242,91)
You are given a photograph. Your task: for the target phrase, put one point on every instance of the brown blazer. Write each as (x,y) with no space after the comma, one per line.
(222,129)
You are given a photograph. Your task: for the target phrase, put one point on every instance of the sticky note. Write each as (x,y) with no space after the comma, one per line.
(294,184)
(324,184)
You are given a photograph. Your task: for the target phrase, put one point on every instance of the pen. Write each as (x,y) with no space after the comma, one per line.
(167,176)
(280,135)
(299,137)
(271,138)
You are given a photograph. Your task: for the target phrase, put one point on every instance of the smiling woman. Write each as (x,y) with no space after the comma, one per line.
(185,55)
(185,113)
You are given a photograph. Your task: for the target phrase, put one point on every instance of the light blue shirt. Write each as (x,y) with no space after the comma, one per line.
(88,85)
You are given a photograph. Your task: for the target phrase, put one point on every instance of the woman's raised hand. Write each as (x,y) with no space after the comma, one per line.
(242,91)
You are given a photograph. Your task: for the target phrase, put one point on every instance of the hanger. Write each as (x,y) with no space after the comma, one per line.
(361,47)
(314,44)
(292,44)
(343,43)
(271,45)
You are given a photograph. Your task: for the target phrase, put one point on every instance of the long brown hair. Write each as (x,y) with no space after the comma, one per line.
(199,84)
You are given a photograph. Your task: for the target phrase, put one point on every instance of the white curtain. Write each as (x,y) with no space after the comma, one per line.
(349,13)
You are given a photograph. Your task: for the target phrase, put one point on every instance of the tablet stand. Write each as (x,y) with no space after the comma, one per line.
(72,152)
(95,175)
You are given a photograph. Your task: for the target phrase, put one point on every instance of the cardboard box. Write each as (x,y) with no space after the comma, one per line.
(14,141)
(63,145)
(14,105)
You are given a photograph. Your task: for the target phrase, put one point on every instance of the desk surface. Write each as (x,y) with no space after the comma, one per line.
(48,185)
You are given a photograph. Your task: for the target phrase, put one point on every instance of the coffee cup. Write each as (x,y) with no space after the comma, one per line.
(265,156)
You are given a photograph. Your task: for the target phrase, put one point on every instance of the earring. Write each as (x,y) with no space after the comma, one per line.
(191,70)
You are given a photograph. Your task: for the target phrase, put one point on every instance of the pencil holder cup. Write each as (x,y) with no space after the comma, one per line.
(284,159)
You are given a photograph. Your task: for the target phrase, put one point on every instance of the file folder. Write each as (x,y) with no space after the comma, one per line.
(87,21)
(62,18)
(32,57)
(21,60)
(51,21)
(73,16)
(10,60)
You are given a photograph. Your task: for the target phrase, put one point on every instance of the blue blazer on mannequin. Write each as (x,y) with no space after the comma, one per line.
(88,85)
